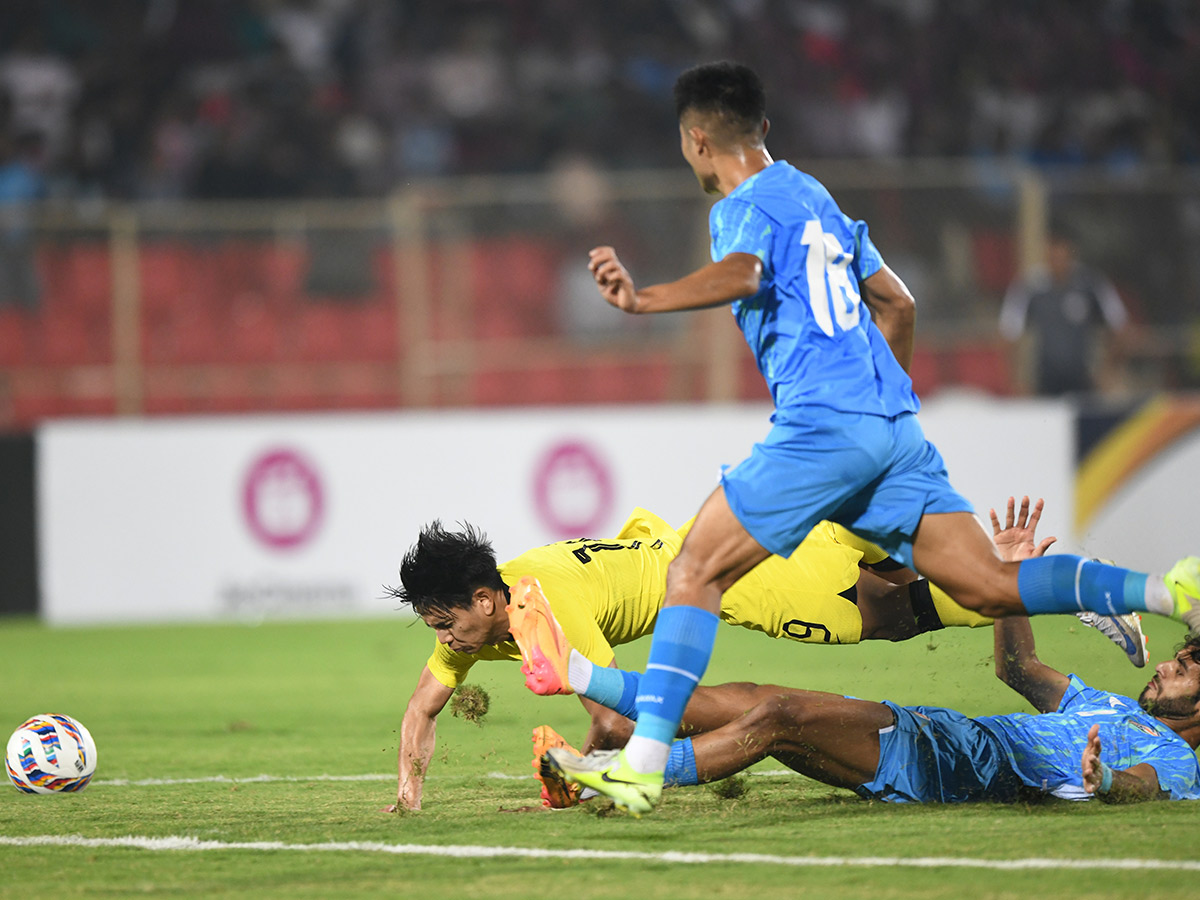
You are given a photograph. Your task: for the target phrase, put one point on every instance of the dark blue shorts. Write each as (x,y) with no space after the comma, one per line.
(937,755)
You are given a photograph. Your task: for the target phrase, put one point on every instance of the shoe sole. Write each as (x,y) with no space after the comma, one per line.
(1136,642)
(533,626)
(556,792)
(625,795)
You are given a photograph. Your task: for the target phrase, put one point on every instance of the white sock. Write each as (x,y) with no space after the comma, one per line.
(646,754)
(579,672)
(1158,598)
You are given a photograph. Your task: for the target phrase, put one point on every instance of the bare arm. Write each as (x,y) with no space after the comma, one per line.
(895,312)
(418,735)
(1017,664)
(1132,785)
(736,276)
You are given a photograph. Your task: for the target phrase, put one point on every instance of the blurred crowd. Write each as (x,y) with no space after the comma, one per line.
(299,98)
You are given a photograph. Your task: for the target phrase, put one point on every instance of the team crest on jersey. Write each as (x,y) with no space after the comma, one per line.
(1143,727)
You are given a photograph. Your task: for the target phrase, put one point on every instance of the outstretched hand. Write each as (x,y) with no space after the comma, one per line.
(1017,540)
(612,278)
(1090,762)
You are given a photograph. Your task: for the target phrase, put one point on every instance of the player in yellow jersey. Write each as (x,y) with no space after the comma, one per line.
(835,589)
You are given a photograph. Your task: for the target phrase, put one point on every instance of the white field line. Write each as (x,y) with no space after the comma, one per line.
(267,779)
(670,856)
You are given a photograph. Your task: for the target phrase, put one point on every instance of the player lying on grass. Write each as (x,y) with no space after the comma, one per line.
(609,593)
(1082,741)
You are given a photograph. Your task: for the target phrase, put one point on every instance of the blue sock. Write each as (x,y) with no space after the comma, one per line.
(679,654)
(614,688)
(681,765)
(1067,584)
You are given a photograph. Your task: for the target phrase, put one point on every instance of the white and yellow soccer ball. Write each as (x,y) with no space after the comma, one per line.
(50,754)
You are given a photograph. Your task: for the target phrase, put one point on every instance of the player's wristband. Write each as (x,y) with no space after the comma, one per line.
(1106,778)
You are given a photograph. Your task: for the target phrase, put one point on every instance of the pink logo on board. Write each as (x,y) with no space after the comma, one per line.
(282,499)
(572,490)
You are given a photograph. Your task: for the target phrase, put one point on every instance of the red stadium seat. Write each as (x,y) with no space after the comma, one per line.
(984,366)
(372,331)
(29,409)
(193,336)
(89,278)
(324,333)
(72,339)
(284,267)
(926,372)
(165,278)
(15,343)
(256,332)
(995,255)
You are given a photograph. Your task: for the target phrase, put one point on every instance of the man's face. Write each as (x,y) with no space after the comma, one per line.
(1174,691)
(1060,258)
(468,629)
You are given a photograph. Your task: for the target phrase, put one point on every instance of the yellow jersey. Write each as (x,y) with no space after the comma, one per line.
(608,592)
(604,592)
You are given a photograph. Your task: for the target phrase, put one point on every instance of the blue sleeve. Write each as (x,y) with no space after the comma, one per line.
(867,258)
(1174,764)
(1075,688)
(741,227)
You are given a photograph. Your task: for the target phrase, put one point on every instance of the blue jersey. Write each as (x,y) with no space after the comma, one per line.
(813,340)
(1045,749)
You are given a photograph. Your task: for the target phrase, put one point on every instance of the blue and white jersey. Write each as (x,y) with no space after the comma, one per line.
(813,339)
(1045,749)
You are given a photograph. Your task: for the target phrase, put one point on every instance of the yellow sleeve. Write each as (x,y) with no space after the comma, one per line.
(451,667)
(571,590)
(604,592)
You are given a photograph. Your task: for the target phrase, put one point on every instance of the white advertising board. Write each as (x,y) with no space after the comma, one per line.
(1150,522)
(244,517)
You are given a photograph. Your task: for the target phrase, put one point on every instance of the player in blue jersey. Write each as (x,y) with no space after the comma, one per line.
(831,327)
(1082,741)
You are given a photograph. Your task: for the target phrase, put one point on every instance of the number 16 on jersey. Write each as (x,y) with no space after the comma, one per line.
(832,293)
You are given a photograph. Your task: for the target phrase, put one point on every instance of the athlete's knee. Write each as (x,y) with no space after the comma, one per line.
(609,731)
(994,603)
(689,573)
(988,587)
(779,715)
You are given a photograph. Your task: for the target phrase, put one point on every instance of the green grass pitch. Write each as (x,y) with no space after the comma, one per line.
(295,701)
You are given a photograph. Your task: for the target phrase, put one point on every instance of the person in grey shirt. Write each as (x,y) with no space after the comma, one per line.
(1067,311)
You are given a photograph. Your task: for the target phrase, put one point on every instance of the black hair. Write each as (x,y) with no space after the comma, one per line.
(1191,645)
(730,92)
(443,569)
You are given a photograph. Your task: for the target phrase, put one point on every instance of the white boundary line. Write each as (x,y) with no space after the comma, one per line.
(177,843)
(268,779)
(225,779)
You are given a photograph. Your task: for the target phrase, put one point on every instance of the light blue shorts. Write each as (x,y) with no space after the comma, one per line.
(875,475)
(936,755)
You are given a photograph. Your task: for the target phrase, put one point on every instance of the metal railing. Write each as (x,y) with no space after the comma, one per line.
(437,261)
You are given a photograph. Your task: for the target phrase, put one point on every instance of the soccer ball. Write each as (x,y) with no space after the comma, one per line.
(50,754)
